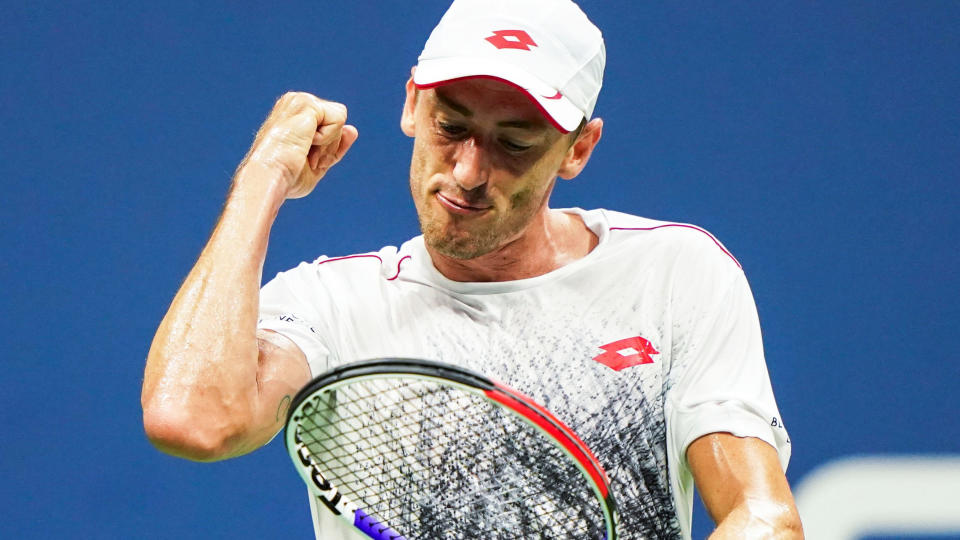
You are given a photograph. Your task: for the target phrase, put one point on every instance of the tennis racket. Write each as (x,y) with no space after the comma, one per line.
(406,449)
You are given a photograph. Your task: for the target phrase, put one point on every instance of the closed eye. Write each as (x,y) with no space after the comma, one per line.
(514,147)
(452,130)
(457,131)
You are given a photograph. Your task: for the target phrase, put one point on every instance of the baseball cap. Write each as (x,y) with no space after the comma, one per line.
(547,48)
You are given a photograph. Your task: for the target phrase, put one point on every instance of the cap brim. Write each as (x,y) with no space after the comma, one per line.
(563,114)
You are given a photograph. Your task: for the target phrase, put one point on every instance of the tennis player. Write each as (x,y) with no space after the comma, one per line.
(641,335)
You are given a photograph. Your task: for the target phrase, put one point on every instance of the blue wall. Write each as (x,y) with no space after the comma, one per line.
(819,141)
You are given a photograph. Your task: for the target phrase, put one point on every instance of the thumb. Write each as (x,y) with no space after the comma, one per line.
(347,138)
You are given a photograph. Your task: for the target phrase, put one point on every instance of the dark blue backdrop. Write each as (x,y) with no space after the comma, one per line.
(819,141)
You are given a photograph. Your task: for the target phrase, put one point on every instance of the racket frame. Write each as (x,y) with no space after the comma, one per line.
(311,471)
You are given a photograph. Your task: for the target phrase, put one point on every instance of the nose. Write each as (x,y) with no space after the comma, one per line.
(470,169)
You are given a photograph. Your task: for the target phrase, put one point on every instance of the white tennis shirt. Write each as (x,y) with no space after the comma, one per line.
(642,346)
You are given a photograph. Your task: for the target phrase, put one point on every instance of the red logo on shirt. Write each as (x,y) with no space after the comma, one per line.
(512,39)
(626,353)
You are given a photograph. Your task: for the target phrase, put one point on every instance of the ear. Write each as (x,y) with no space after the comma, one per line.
(407,119)
(579,153)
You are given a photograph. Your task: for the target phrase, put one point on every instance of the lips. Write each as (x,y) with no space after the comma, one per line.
(460,207)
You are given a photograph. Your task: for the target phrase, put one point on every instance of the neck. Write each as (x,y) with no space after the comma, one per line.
(552,240)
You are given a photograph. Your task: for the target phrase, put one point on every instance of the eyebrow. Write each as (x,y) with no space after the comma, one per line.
(451,104)
(461,109)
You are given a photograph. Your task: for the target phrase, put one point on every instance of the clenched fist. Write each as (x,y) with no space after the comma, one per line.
(302,138)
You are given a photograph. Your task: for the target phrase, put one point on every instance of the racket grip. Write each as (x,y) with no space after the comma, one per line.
(373,528)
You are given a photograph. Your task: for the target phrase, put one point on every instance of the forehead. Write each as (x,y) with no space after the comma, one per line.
(489,99)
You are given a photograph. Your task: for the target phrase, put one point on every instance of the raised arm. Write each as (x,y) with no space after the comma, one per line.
(214,387)
(743,488)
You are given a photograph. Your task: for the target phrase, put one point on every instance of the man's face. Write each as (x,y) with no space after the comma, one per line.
(484,163)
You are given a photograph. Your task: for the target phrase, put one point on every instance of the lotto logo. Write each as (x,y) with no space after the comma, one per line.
(626,353)
(511,39)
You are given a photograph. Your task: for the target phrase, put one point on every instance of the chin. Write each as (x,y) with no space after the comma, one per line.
(463,246)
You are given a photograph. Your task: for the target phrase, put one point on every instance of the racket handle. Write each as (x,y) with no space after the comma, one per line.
(373,528)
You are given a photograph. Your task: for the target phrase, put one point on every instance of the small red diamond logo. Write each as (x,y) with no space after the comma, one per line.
(626,353)
(512,39)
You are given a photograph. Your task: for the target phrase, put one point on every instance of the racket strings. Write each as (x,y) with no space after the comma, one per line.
(435,461)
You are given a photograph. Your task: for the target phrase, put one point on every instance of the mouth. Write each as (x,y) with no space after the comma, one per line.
(460,207)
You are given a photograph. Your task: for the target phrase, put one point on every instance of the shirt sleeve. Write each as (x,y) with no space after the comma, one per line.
(289,305)
(718,379)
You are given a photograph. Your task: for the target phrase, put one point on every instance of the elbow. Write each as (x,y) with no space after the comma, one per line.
(761,519)
(188,436)
(787,520)
(787,524)
(792,527)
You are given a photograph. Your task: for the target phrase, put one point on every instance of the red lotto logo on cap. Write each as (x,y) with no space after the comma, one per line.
(512,39)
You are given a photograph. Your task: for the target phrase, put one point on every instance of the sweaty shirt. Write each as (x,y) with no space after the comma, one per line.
(645,344)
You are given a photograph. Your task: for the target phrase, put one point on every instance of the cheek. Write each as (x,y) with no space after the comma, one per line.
(418,165)
(427,157)
(521,198)
(533,189)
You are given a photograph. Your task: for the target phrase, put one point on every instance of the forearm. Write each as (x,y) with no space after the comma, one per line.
(743,487)
(201,375)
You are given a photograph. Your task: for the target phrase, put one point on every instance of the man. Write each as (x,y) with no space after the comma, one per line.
(641,335)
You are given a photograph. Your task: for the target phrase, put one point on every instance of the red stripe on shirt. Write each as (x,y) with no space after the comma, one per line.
(377,257)
(719,245)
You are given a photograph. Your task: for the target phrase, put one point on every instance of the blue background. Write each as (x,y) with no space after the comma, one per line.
(819,140)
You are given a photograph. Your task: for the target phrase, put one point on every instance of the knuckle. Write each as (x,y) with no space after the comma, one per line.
(336,112)
(295,102)
(298,100)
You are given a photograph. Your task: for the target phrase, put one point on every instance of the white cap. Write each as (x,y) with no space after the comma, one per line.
(547,48)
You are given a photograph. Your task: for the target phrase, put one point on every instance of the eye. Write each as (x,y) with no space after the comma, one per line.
(514,147)
(451,130)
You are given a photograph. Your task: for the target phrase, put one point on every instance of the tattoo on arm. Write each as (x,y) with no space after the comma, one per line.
(282,408)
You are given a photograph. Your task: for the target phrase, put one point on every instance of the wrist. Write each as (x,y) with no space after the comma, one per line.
(255,181)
